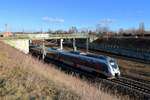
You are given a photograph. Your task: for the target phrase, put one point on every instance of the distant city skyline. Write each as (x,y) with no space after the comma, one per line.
(37,15)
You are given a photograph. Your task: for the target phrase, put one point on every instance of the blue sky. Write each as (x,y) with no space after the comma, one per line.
(34,15)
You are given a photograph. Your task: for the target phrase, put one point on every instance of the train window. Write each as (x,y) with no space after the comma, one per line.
(113,63)
(96,56)
(104,68)
(75,52)
(53,48)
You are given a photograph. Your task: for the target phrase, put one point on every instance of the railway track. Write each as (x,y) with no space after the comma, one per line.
(145,87)
(135,86)
(123,85)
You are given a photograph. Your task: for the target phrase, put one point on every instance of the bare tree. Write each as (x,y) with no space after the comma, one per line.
(121,31)
(73,29)
(59,31)
(50,31)
(141,28)
(101,30)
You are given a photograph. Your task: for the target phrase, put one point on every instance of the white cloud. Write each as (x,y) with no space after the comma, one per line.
(108,20)
(53,20)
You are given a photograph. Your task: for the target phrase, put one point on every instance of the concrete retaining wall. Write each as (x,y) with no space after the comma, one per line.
(20,44)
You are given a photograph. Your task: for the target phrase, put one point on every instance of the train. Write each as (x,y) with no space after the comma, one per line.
(89,62)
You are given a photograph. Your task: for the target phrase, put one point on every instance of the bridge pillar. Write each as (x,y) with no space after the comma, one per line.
(44,51)
(74,44)
(30,41)
(61,44)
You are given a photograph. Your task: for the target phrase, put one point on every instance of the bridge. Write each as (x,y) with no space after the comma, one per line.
(45,36)
(40,36)
(23,38)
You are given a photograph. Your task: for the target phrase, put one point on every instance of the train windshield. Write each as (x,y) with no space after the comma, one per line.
(113,63)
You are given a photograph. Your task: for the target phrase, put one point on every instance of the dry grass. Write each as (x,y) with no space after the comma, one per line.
(24,77)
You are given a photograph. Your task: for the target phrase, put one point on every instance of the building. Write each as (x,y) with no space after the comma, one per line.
(7,34)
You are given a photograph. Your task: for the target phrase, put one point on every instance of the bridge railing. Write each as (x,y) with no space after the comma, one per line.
(53,36)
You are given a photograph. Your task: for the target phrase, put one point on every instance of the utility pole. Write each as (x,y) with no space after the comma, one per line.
(44,51)
(6,28)
(43,47)
(23,31)
(5,34)
(87,45)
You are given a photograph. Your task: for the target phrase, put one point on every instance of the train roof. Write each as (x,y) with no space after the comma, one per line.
(87,56)
(83,55)
(90,55)
(97,56)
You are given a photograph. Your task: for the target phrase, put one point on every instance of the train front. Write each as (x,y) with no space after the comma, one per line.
(113,68)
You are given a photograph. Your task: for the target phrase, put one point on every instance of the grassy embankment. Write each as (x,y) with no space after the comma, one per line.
(24,77)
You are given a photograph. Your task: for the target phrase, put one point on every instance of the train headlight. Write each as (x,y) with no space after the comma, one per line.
(112,63)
